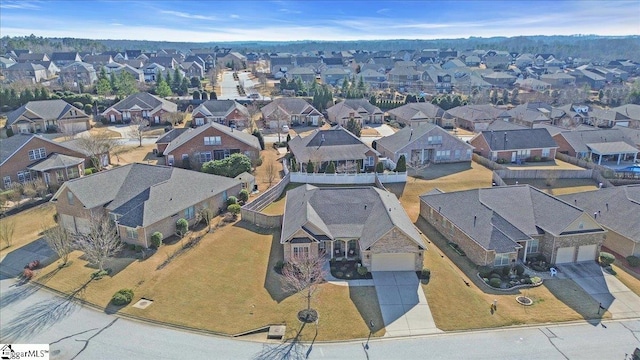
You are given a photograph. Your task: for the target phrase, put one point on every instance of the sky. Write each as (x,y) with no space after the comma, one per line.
(237,20)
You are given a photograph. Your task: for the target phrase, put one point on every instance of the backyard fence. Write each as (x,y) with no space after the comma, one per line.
(491,165)
(251,212)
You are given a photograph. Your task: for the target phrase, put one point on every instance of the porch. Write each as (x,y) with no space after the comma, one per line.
(339,249)
(613,154)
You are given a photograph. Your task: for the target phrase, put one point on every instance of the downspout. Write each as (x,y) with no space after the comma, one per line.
(146,241)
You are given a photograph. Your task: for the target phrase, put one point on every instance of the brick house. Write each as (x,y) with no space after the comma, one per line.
(477,117)
(360,110)
(291,111)
(141,199)
(47,115)
(494,230)
(226,112)
(322,221)
(141,105)
(412,113)
(193,147)
(27,157)
(618,145)
(424,143)
(515,145)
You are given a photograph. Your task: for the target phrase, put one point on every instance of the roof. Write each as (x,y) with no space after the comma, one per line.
(612,148)
(225,130)
(289,105)
(496,222)
(409,134)
(43,109)
(56,161)
(331,211)
(618,208)
(25,67)
(344,108)
(519,139)
(245,176)
(220,108)
(145,194)
(171,135)
(335,144)
(578,140)
(418,111)
(143,101)
(477,112)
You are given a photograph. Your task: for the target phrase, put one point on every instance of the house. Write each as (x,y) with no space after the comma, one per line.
(335,76)
(291,111)
(530,114)
(497,61)
(403,76)
(136,74)
(499,79)
(477,117)
(361,110)
(6,62)
(372,77)
(632,112)
(281,63)
(193,147)
(363,223)
(424,143)
(590,78)
(27,157)
(305,74)
(142,105)
(28,72)
(559,80)
(472,61)
(437,81)
(515,145)
(235,59)
(227,112)
(412,113)
(337,145)
(62,59)
(453,64)
(153,71)
(97,60)
(248,181)
(494,230)
(48,115)
(30,57)
(141,199)
(597,145)
(193,69)
(616,209)
(531,84)
(78,73)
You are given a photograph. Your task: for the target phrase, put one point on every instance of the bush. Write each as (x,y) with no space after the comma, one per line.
(182,226)
(426,273)
(484,271)
(33,265)
(493,282)
(243,195)
(234,209)
(535,280)
(88,171)
(633,261)
(232,200)
(339,274)
(501,161)
(527,281)
(519,269)
(122,297)
(606,258)
(495,276)
(362,270)
(379,167)
(401,166)
(505,270)
(156,239)
(99,274)
(278,266)
(28,274)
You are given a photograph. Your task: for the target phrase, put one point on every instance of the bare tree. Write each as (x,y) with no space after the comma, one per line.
(303,274)
(101,242)
(98,145)
(137,128)
(7,229)
(253,112)
(61,241)
(205,214)
(175,118)
(281,118)
(270,169)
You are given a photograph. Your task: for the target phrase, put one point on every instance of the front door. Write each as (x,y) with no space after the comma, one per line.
(46,178)
(514,156)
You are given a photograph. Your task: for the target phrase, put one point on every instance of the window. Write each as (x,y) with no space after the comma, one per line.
(532,246)
(72,173)
(60,176)
(7,181)
(69,197)
(199,121)
(132,233)
(468,154)
(185,157)
(369,161)
(218,119)
(501,259)
(24,176)
(205,156)
(523,154)
(189,213)
(212,140)
(546,152)
(443,155)
(218,154)
(299,251)
(456,155)
(435,139)
(36,154)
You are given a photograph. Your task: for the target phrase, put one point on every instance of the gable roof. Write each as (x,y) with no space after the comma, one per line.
(477,112)
(344,108)
(519,139)
(289,105)
(334,144)
(55,161)
(14,143)
(579,140)
(171,135)
(408,111)
(410,134)
(220,108)
(44,109)
(145,194)
(225,130)
(144,101)
(331,210)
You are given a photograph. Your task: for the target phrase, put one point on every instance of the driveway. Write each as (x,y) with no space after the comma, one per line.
(621,302)
(403,305)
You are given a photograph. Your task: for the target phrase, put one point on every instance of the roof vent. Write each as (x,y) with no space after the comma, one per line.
(474,220)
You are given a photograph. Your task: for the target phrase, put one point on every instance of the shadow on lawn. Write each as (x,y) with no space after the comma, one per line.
(435,171)
(369,310)
(572,295)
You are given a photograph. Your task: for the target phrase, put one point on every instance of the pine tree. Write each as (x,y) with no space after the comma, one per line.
(310,168)
(331,168)
(401,166)
(177,80)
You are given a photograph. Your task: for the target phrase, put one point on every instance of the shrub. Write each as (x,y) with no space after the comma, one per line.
(495,276)
(89,171)
(519,269)
(182,226)
(606,258)
(610,270)
(535,280)
(234,209)
(278,266)
(339,274)
(33,265)
(426,273)
(484,271)
(232,200)
(122,297)
(156,239)
(493,282)
(505,270)
(380,168)
(401,166)
(99,274)
(243,195)
(633,261)
(362,270)
(527,281)
(501,161)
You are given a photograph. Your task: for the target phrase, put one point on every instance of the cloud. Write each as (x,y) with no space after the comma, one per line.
(289,11)
(234,16)
(21,5)
(187,15)
(383,11)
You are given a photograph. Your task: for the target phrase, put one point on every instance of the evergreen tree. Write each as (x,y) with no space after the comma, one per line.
(345,86)
(103,87)
(177,80)
(184,87)
(331,168)
(401,166)
(44,94)
(126,84)
(294,165)
(113,82)
(167,78)
(354,127)
(26,96)
(196,95)
(195,82)
(310,168)
(213,96)
(505,96)
(372,100)
(204,95)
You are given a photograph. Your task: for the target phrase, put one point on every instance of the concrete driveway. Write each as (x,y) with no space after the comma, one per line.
(621,302)
(403,305)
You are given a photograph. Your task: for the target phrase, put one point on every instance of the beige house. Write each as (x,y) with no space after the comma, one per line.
(47,115)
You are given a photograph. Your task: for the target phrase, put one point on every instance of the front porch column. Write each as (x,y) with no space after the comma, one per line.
(524,258)
(332,250)
(599,158)
(619,158)
(635,157)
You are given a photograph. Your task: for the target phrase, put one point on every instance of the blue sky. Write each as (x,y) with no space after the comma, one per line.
(233,20)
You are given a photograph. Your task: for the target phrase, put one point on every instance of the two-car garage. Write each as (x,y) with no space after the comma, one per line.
(568,254)
(393,262)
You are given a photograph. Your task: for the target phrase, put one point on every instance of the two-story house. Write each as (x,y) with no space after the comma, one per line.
(78,73)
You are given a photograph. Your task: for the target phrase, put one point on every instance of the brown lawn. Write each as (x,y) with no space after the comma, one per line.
(270,156)
(559,165)
(627,277)
(226,284)
(131,154)
(369,132)
(28,225)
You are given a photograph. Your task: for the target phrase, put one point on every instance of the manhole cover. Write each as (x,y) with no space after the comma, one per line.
(143,303)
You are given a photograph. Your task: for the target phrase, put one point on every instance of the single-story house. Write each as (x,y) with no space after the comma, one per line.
(227,112)
(291,111)
(608,144)
(247,180)
(363,223)
(477,117)
(337,145)
(141,105)
(47,115)
(515,145)
(424,143)
(193,147)
(141,199)
(360,110)
(422,112)
(494,229)
(617,209)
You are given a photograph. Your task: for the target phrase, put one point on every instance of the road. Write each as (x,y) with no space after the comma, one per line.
(228,86)
(29,315)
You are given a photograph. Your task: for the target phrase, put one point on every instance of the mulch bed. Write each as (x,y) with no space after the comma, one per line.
(347,270)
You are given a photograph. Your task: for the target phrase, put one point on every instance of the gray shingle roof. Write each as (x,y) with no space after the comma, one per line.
(144,101)
(335,144)
(477,112)
(10,145)
(578,140)
(289,105)
(225,130)
(56,161)
(622,214)
(145,194)
(613,148)
(331,211)
(408,111)
(44,109)
(220,107)
(171,135)
(519,139)
(409,134)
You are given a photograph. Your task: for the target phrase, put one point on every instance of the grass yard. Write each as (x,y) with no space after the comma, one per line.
(559,165)
(226,284)
(630,280)
(277,207)
(559,186)
(131,154)
(104,130)
(270,157)
(28,225)
(369,132)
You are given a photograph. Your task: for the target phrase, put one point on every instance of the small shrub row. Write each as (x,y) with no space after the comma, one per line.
(122,297)
(606,258)
(633,261)
(100,274)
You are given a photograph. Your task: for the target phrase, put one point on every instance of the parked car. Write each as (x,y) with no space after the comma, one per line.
(285,128)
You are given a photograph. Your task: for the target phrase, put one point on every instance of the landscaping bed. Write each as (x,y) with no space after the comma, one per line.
(457,249)
(508,277)
(348,270)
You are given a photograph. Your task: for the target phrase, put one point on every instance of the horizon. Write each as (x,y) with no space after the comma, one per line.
(293,21)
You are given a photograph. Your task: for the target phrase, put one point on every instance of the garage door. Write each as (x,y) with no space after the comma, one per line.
(565,255)
(587,252)
(393,262)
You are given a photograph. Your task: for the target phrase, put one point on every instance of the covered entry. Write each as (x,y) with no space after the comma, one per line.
(393,262)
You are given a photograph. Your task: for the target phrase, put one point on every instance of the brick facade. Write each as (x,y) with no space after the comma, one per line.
(155,117)
(482,148)
(549,243)
(235,117)
(394,241)
(449,143)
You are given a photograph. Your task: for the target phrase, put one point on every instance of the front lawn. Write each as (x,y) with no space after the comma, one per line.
(28,225)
